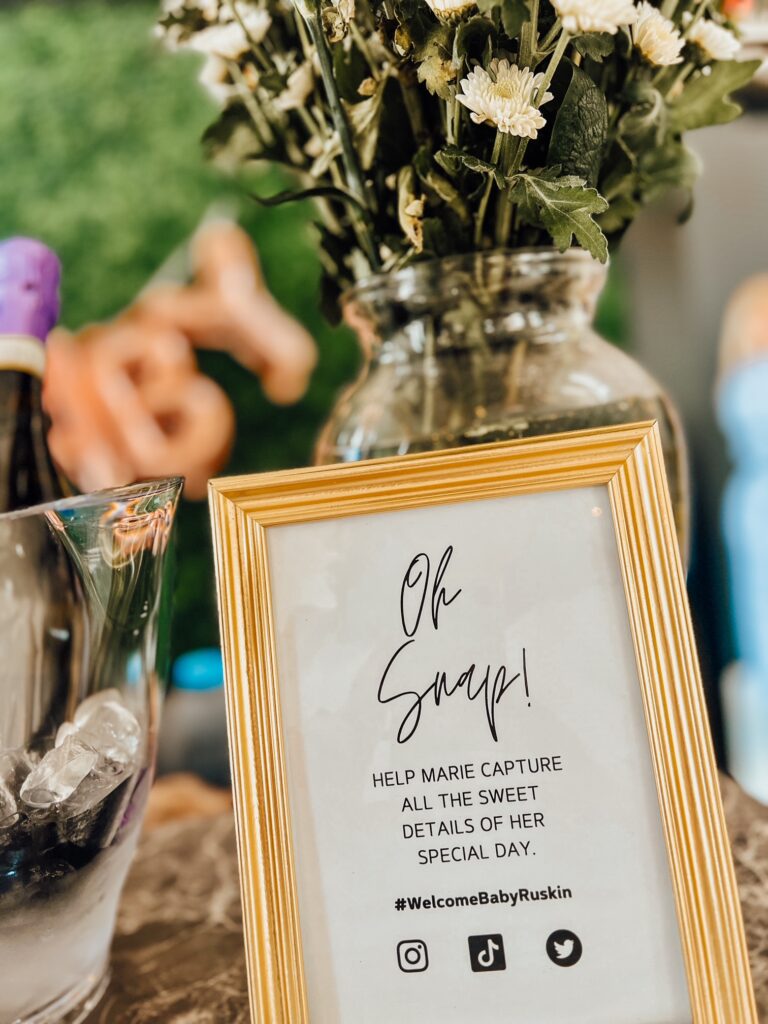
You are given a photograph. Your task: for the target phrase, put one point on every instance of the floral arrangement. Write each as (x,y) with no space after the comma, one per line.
(432,127)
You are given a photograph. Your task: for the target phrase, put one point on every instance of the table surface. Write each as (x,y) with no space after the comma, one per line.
(178,953)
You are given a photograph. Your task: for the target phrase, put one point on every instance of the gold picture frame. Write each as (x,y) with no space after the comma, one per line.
(628,460)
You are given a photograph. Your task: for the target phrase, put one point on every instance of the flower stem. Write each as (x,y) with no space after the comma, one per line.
(262,59)
(412,103)
(529,38)
(457,108)
(349,154)
(550,37)
(697,14)
(483,207)
(549,74)
(364,49)
(452,119)
(684,72)
(301,29)
(506,206)
(504,209)
(258,117)
(557,56)
(311,123)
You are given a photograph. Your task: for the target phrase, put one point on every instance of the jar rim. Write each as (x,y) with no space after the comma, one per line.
(527,262)
(162,489)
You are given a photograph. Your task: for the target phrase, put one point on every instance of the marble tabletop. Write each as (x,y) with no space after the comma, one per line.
(178,953)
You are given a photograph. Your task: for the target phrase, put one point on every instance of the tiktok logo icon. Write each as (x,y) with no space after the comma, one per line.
(486,953)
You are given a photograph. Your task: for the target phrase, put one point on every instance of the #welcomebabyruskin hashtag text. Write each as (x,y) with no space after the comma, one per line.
(482,898)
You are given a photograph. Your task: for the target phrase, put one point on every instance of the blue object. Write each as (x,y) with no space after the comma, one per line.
(193,737)
(745,712)
(742,408)
(202,669)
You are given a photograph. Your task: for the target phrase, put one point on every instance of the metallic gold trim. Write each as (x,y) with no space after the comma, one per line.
(628,459)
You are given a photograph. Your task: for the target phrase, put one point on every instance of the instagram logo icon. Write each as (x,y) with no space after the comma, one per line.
(412,956)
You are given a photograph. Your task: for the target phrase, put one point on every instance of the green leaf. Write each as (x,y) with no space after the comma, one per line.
(453,158)
(234,137)
(670,166)
(621,211)
(436,239)
(580,128)
(450,159)
(705,99)
(563,207)
(339,195)
(595,45)
(365,121)
(444,235)
(415,19)
(470,40)
(442,187)
(435,64)
(514,14)
(618,175)
(410,208)
(646,121)
(439,40)
(272,81)
(349,70)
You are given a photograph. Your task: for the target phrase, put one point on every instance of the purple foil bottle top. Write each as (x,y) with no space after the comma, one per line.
(30,273)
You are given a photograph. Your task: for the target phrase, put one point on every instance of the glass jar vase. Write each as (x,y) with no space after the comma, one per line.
(488,347)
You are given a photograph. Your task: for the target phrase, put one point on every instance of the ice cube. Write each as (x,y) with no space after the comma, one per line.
(15,765)
(103,778)
(65,729)
(91,704)
(7,803)
(59,773)
(113,731)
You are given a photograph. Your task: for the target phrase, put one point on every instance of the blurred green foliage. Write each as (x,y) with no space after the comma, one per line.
(100,157)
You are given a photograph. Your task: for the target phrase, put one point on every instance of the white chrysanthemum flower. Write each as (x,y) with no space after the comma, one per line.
(656,37)
(215,77)
(298,87)
(505,98)
(176,35)
(580,16)
(447,10)
(346,9)
(329,149)
(716,42)
(230,40)
(314,147)
(209,9)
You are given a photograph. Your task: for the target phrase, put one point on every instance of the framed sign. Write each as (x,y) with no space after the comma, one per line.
(474,781)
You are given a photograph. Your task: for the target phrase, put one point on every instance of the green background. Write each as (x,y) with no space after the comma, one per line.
(100,157)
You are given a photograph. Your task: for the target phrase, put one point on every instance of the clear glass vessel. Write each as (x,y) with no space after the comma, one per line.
(489,347)
(82,626)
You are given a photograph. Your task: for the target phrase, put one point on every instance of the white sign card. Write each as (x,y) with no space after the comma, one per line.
(476,820)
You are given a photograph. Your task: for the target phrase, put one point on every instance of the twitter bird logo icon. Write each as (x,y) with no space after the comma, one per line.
(564,948)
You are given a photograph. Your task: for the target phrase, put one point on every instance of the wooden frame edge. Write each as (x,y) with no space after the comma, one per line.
(275,969)
(629,461)
(711,930)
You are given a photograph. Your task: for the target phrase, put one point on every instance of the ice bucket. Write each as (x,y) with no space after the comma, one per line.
(83,620)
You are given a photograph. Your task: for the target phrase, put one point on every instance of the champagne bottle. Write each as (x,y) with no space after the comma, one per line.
(41,603)
(29,307)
